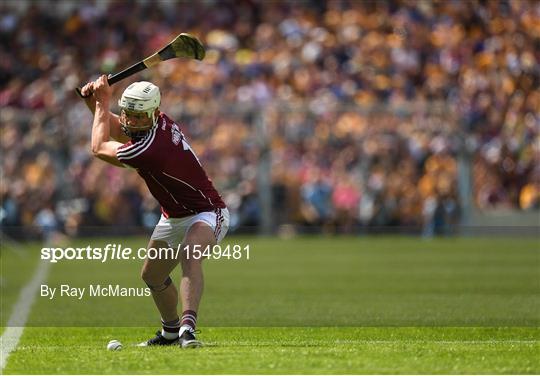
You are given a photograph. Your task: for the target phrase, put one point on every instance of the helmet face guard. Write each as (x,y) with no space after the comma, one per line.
(138,104)
(137,123)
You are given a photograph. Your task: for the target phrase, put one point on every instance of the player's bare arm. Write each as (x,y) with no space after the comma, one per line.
(115,127)
(102,147)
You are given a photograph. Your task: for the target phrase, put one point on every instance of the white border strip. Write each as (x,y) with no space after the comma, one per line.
(15,325)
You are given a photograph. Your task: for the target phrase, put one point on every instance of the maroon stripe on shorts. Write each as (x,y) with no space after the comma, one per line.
(219,220)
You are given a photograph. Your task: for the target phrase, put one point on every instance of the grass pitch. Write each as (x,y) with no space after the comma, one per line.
(343,305)
(284,350)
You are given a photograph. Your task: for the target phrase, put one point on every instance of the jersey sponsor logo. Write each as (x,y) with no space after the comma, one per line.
(176,134)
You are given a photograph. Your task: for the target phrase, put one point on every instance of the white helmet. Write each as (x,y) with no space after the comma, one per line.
(141,96)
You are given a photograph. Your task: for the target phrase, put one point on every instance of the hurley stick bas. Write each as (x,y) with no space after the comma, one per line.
(184,45)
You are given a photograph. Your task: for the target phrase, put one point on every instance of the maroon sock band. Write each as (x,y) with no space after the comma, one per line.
(189,318)
(171,326)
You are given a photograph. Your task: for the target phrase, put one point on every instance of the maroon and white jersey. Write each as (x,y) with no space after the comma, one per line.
(171,170)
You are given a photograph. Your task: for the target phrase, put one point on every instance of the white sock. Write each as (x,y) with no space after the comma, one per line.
(183,328)
(169,335)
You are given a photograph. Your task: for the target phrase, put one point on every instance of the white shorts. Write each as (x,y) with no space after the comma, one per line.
(173,230)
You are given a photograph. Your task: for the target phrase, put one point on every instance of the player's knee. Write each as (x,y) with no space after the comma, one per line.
(156,283)
(150,277)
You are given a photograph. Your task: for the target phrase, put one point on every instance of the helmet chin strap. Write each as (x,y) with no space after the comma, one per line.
(154,119)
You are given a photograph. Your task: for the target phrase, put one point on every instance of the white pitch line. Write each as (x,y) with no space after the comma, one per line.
(15,326)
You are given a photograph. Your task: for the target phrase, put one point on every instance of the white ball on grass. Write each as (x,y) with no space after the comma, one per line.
(114,345)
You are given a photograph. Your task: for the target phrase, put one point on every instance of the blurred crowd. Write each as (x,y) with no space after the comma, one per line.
(367,111)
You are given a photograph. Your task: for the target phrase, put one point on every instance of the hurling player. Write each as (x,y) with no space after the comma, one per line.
(193,213)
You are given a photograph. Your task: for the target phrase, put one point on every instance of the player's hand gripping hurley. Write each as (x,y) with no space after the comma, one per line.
(184,45)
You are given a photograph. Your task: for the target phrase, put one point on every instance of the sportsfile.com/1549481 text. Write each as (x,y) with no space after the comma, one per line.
(118,252)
